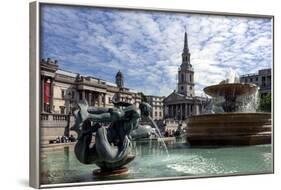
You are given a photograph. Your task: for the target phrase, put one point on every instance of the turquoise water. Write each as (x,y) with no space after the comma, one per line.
(152,162)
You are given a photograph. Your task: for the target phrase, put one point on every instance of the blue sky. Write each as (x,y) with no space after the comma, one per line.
(146,46)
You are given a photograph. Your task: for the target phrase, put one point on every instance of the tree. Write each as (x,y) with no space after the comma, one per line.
(265,103)
(143,97)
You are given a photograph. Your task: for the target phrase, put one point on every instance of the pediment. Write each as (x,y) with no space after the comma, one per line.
(174,97)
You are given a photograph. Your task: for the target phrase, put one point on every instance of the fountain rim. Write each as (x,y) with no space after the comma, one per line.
(231,113)
(230,118)
(225,85)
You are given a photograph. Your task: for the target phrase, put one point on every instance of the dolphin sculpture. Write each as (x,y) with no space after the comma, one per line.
(112,145)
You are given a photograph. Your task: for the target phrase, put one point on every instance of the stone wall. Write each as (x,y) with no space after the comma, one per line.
(54,125)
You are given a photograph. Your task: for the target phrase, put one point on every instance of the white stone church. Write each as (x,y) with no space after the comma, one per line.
(182,103)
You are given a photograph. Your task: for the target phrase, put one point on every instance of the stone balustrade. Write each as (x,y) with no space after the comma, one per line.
(55,120)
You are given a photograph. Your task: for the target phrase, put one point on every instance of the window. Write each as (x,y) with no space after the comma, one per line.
(155,114)
(62,93)
(257,78)
(109,100)
(160,115)
(182,78)
(181,87)
(263,81)
(251,80)
(190,88)
(269,81)
(190,78)
(62,110)
(72,94)
(80,95)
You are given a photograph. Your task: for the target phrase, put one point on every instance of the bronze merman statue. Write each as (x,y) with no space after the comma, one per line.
(112,145)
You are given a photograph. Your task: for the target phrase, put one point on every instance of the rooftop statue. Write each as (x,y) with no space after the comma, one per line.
(112,144)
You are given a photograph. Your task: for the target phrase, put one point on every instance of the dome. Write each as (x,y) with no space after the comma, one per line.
(119,74)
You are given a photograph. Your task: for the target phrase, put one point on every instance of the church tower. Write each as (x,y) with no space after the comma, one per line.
(186,73)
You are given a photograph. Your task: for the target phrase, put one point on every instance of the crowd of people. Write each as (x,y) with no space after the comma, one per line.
(172,133)
(63,139)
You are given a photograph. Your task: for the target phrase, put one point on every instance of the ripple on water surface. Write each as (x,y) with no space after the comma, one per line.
(152,161)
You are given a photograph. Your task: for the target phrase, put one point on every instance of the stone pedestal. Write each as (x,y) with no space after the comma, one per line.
(107,173)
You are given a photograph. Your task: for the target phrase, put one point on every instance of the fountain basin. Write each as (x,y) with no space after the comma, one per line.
(229,129)
(231,89)
(151,163)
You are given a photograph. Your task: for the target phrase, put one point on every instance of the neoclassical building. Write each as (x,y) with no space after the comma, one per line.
(182,103)
(262,79)
(156,102)
(60,89)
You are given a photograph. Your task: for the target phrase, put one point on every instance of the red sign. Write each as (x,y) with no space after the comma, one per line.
(47,94)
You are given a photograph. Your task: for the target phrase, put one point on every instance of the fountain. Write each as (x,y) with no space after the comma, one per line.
(107,140)
(110,153)
(235,121)
(111,149)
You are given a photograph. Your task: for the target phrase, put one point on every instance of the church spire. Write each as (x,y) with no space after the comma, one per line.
(186,73)
(185,53)
(185,47)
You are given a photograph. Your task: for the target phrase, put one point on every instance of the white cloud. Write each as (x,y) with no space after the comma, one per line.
(147,46)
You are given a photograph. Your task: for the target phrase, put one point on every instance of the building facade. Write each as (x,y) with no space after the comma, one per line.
(156,103)
(60,90)
(182,103)
(262,79)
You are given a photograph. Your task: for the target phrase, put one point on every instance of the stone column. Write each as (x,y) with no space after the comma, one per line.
(99,99)
(183,110)
(42,93)
(83,95)
(169,111)
(51,95)
(173,111)
(189,109)
(103,98)
(197,111)
(93,97)
(186,110)
(180,111)
(90,98)
(177,111)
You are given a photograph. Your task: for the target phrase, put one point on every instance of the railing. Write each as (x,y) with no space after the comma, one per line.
(249,75)
(60,117)
(52,116)
(44,116)
(189,68)
(55,120)
(171,121)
